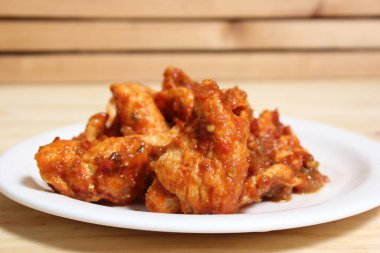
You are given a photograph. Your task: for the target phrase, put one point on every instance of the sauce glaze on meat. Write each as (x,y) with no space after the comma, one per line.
(190,148)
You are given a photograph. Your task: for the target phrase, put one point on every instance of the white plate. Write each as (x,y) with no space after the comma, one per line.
(350,161)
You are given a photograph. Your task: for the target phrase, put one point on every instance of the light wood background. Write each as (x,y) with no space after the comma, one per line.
(313,59)
(115,40)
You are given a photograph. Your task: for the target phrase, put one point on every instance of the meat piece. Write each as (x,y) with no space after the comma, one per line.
(175,104)
(274,182)
(97,166)
(159,200)
(160,139)
(131,111)
(279,165)
(111,111)
(96,127)
(176,100)
(206,164)
(136,111)
(113,169)
(284,147)
(175,77)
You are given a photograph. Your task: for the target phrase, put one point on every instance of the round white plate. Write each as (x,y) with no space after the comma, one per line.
(350,161)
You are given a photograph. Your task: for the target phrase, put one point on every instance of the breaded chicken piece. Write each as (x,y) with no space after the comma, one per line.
(176,99)
(279,165)
(131,111)
(96,127)
(113,169)
(274,182)
(159,139)
(98,166)
(175,104)
(159,200)
(136,111)
(206,164)
(175,77)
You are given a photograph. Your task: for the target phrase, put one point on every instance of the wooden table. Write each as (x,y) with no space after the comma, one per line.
(29,109)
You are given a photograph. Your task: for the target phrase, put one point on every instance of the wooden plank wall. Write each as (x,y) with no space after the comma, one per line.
(113,40)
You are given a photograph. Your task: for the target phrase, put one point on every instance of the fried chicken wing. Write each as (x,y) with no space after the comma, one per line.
(159,200)
(279,165)
(131,111)
(112,169)
(160,139)
(284,147)
(275,181)
(175,104)
(176,100)
(96,127)
(136,111)
(206,164)
(175,77)
(98,166)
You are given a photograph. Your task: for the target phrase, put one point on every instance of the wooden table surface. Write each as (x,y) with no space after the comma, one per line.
(28,109)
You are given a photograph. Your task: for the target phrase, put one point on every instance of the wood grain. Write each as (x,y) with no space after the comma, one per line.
(28,109)
(135,67)
(179,35)
(188,9)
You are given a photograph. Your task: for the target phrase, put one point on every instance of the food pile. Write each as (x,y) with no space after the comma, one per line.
(190,148)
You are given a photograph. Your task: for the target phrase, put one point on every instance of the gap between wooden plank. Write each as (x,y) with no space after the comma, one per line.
(195,51)
(188,9)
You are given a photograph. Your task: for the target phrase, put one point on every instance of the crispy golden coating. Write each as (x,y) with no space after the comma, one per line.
(279,165)
(136,111)
(112,169)
(206,164)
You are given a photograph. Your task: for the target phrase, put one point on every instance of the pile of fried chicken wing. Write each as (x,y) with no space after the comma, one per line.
(190,148)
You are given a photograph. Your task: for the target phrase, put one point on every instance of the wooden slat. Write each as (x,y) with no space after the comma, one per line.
(188,9)
(121,67)
(206,35)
